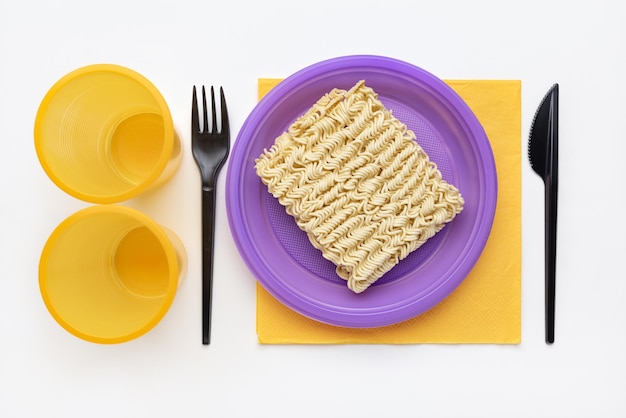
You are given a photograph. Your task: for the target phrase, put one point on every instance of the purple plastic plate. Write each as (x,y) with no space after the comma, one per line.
(279,254)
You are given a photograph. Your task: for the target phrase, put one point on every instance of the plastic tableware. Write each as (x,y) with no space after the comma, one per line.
(104,134)
(279,255)
(109,273)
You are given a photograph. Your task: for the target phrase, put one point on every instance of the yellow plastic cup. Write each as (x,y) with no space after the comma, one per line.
(104,134)
(109,273)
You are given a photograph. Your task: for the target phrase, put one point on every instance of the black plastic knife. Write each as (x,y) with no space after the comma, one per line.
(543,152)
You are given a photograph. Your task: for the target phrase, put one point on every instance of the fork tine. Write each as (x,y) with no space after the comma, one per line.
(213,113)
(204,112)
(195,124)
(225,125)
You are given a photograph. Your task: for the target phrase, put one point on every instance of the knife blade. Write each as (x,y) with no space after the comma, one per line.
(543,153)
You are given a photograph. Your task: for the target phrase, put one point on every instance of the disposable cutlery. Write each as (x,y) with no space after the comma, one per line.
(210,150)
(543,152)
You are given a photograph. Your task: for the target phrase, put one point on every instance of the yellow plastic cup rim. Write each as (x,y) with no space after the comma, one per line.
(169,132)
(177,268)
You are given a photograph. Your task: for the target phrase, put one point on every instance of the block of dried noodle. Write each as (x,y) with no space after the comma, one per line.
(356,181)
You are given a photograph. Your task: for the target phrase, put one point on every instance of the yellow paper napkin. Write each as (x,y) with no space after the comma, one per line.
(486,307)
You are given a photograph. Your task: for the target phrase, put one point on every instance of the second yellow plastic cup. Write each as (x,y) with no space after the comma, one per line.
(104,134)
(109,273)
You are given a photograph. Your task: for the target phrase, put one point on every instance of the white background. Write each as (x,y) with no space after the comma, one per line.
(44,371)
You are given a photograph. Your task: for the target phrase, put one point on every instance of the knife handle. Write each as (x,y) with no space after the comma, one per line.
(550,257)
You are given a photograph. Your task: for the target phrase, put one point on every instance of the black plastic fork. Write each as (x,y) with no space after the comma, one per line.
(210,150)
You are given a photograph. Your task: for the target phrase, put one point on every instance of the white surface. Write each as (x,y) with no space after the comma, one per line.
(46,371)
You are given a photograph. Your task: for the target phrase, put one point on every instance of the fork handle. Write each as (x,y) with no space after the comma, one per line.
(208,236)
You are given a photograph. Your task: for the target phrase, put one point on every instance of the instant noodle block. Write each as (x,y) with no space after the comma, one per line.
(355,179)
